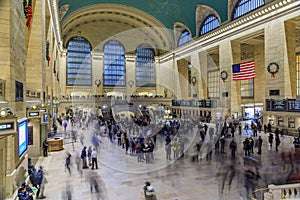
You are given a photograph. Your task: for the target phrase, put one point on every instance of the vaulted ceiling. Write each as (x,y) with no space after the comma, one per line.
(135,21)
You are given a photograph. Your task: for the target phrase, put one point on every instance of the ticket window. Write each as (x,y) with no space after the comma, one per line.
(291,122)
(280,121)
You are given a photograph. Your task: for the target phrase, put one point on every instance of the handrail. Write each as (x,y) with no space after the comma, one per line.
(254,195)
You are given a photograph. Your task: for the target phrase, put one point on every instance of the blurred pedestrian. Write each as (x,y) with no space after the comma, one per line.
(94,159)
(45,148)
(277,142)
(259,144)
(233,147)
(84,157)
(68,163)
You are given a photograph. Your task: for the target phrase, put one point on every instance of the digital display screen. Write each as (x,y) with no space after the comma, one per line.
(45,118)
(23,137)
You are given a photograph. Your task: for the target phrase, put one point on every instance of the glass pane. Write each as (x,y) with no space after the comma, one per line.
(79,62)
(246,6)
(114,64)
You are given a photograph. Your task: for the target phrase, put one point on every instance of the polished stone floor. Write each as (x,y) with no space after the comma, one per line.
(121,177)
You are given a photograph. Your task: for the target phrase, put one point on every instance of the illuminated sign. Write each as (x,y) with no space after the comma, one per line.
(43,110)
(6,126)
(23,137)
(34,114)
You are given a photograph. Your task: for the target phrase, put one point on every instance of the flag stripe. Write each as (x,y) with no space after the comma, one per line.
(243,71)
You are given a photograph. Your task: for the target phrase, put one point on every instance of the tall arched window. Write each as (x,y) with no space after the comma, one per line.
(184,38)
(79,67)
(209,24)
(114,73)
(145,66)
(246,6)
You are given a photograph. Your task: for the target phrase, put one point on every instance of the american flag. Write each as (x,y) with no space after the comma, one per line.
(243,71)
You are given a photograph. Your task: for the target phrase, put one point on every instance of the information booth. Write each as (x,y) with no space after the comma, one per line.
(44,124)
(34,132)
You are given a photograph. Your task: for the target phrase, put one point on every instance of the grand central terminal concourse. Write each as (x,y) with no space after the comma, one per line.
(150,99)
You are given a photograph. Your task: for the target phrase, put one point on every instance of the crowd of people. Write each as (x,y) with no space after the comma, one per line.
(138,135)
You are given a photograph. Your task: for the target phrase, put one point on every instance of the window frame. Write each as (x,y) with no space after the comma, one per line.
(207,23)
(182,38)
(249,91)
(215,82)
(244,7)
(79,62)
(113,64)
(145,64)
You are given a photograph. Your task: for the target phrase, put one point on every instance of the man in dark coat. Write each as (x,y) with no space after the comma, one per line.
(83,157)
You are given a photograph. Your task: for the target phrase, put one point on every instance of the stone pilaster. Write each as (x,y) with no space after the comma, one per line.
(259,81)
(202,78)
(183,78)
(61,69)
(280,48)
(97,71)
(130,74)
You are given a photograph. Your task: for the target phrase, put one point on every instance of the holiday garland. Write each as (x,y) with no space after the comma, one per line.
(25,8)
(47,52)
(273,72)
(28,13)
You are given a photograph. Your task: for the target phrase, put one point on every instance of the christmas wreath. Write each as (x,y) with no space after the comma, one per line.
(273,70)
(131,82)
(193,80)
(97,82)
(224,75)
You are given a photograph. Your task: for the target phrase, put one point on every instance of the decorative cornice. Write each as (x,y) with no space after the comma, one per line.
(254,18)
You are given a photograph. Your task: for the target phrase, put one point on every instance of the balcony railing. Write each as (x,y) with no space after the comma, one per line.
(277,192)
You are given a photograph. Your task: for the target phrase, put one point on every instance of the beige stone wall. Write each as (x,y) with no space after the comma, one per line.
(34,58)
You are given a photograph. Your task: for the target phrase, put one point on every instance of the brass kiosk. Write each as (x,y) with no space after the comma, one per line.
(55,144)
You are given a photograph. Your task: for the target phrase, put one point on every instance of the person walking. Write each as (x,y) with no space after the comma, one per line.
(83,157)
(40,183)
(168,147)
(45,148)
(233,147)
(94,159)
(277,142)
(89,155)
(68,163)
(271,138)
(222,141)
(259,144)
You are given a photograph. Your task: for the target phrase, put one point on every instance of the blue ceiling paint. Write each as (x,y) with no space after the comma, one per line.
(166,11)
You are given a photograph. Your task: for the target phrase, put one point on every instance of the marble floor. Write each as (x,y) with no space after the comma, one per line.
(121,177)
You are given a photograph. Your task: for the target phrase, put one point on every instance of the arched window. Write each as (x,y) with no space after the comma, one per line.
(145,66)
(79,67)
(184,38)
(114,73)
(209,24)
(246,6)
